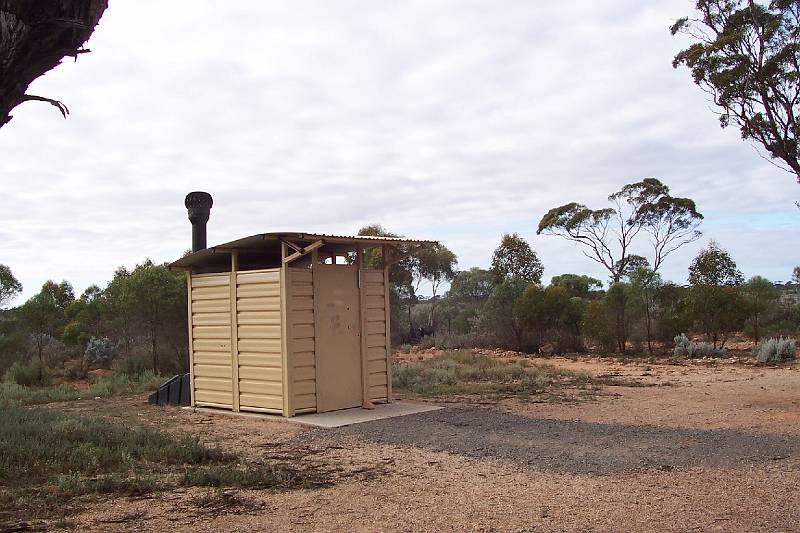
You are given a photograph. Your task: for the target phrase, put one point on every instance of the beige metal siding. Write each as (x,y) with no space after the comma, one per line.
(376,342)
(211,340)
(300,312)
(258,305)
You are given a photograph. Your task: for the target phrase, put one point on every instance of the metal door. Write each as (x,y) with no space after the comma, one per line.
(338,337)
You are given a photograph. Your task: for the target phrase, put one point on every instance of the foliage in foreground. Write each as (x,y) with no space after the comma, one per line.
(464,372)
(47,458)
(744,55)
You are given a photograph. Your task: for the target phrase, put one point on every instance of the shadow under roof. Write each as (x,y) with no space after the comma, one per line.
(268,244)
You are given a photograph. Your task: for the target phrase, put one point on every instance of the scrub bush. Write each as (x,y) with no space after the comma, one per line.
(686,348)
(32,373)
(465,372)
(776,350)
(100,351)
(133,365)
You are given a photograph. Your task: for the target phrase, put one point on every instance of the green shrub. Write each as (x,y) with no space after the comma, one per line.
(100,351)
(119,383)
(32,373)
(132,365)
(75,370)
(596,325)
(776,350)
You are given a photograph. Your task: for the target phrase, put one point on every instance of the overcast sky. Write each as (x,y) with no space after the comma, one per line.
(453,120)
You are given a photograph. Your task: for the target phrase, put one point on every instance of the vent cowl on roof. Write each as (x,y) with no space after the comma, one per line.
(198,204)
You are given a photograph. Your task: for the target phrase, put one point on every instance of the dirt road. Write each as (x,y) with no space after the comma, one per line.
(706,448)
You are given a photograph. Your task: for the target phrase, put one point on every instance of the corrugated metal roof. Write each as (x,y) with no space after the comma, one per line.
(355,238)
(268,240)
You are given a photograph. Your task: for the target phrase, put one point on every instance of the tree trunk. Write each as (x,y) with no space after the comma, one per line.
(40,347)
(410,325)
(648,324)
(518,336)
(621,333)
(755,327)
(154,342)
(35,35)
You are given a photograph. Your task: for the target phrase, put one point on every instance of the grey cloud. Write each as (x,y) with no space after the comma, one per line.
(445,119)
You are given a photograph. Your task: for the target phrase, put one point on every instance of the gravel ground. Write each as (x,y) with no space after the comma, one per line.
(564,446)
(716,450)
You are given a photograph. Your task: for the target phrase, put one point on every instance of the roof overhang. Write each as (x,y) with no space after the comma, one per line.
(269,244)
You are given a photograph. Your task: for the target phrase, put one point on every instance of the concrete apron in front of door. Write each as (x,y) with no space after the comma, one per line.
(334,419)
(357,415)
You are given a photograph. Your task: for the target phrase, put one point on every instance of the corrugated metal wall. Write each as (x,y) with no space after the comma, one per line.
(377,354)
(258,307)
(211,340)
(300,309)
(257,349)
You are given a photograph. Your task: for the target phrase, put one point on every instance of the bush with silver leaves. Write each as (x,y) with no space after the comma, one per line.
(686,348)
(100,351)
(776,350)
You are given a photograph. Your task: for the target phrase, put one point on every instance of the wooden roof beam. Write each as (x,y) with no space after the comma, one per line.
(303,251)
(293,246)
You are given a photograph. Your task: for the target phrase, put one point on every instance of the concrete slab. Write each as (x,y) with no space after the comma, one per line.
(357,415)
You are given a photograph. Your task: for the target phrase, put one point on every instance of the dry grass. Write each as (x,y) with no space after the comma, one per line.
(48,459)
(463,372)
(104,386)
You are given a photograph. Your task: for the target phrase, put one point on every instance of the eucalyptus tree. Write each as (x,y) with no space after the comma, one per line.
(514,258)
(10,286)
(401,274)
(471,286)
(437,265)
(746,57)
(609,236)
(42,316)
(714,293)
(578,284)
(646,284)
(759,293)
(157,301)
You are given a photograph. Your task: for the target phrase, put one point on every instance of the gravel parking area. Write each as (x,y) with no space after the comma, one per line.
(565,446)
(718,449)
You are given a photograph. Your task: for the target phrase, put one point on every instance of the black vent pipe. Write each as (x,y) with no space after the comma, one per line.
(198,204)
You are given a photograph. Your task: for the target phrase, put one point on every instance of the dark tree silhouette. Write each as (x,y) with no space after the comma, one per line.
(35,36)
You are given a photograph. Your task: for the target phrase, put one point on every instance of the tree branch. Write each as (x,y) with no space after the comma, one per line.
(59,105)
(35,36)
